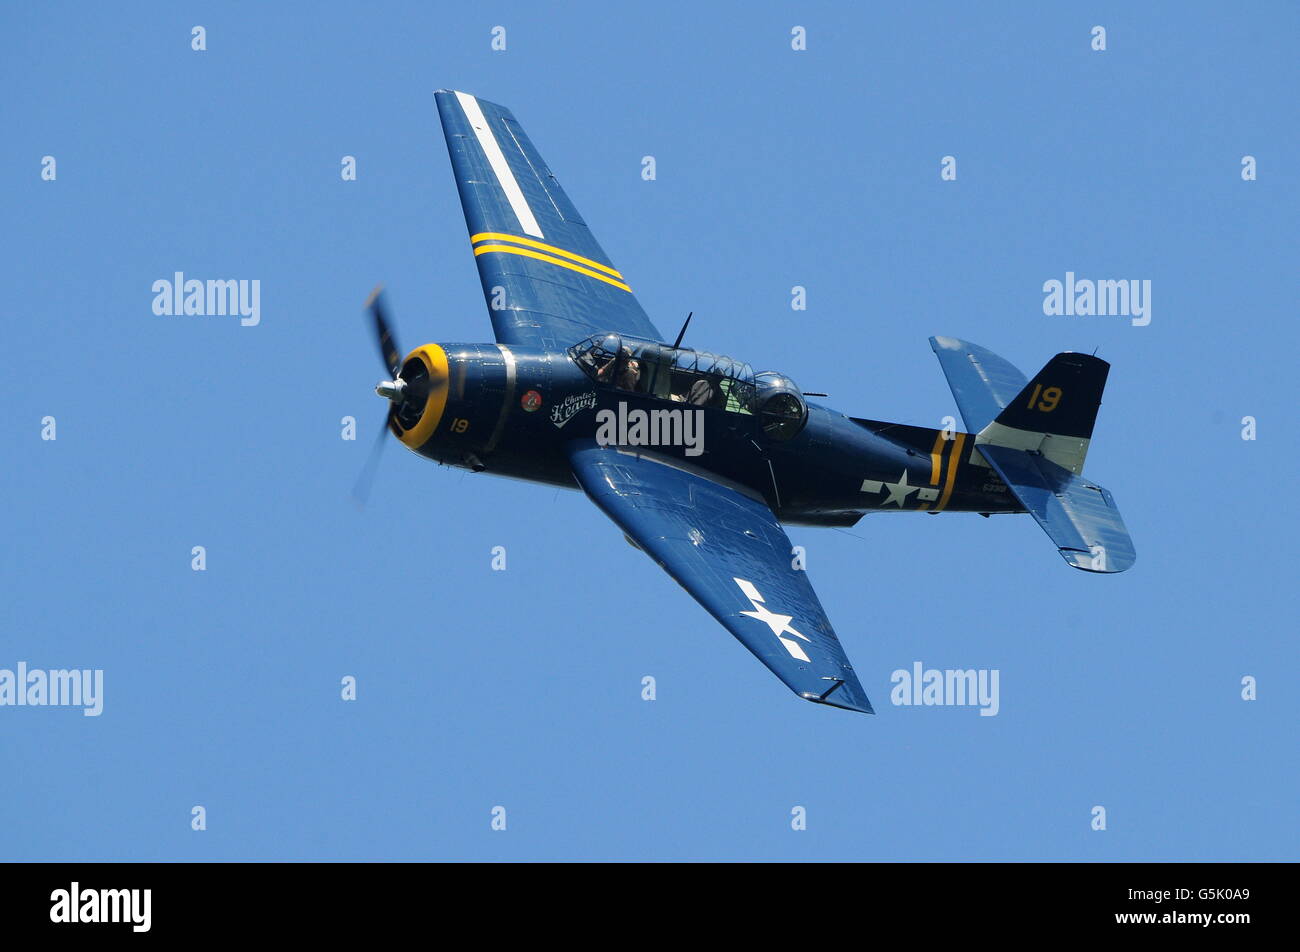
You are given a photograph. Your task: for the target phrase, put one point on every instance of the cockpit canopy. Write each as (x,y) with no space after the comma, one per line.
(679,374)
(694,377)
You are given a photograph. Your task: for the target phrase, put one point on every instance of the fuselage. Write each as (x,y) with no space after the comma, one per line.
(513,410)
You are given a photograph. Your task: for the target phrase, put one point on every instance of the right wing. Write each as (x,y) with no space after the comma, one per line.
(547,281)
(726,548)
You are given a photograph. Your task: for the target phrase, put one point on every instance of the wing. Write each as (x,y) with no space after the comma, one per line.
(556,285)
(727,549)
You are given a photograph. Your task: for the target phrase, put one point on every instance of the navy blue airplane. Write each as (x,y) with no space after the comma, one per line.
(695,457)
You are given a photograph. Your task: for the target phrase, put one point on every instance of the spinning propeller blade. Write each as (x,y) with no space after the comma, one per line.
(361,490)
(392,358)
(388,351)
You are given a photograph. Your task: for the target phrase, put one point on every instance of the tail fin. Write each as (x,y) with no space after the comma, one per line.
(1035,436)
(1055,412)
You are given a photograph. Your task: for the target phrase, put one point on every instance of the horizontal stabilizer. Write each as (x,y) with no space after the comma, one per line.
(982,382)
(1079,516)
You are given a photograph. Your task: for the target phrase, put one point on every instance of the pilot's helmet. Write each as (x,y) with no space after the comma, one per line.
(611,344)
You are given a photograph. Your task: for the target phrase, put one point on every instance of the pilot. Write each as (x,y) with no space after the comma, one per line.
(603,364)
(630,375)
(700,394)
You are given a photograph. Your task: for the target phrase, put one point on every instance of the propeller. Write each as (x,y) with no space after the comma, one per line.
(388,351)
(361,491)
(390,389)
(404,395)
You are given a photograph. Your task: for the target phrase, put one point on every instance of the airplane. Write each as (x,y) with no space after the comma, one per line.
(697,459)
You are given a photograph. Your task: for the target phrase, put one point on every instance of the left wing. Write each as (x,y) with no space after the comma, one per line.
(725,547)
(547,281)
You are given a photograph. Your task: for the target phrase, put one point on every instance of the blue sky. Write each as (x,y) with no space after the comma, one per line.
(521,688)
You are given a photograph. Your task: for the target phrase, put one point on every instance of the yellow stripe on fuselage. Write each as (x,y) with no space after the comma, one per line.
(936,458)
(496,236)
(549,259)
(954,460)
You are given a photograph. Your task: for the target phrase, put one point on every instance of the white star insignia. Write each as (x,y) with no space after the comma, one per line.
(899,491)
(780,624)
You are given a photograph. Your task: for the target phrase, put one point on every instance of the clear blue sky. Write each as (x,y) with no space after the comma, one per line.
(522,688)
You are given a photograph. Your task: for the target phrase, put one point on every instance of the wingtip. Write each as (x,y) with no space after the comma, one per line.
(863,708)
(1083,561)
